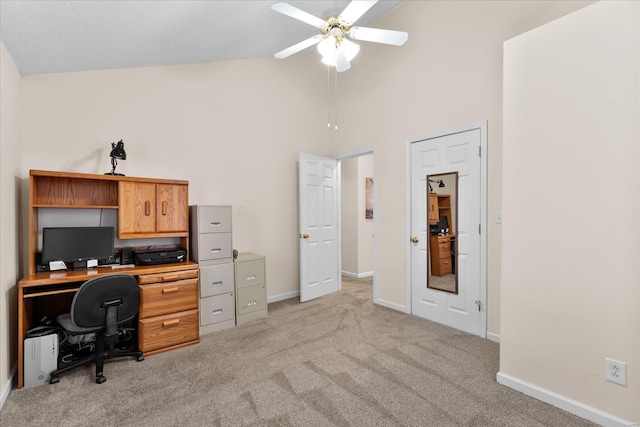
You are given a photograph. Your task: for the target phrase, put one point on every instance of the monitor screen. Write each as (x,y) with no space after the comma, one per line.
(76,243)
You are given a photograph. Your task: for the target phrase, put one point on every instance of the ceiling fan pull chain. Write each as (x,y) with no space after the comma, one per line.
(336,95)
(328,97)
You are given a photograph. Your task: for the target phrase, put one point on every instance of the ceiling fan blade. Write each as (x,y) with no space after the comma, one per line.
(298,14)
(342,63)
(298,46)
(396,38)
(355,10)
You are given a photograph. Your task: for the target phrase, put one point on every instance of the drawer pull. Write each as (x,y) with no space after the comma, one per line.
(216,250)
(217,284)
(170,278)
(216,224)
(216,312)
(171,322)
(164,208)
(147,208)
(170,290)
(252,277)
(252,303)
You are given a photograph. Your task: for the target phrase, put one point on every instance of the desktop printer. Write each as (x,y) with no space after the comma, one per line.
(159,256)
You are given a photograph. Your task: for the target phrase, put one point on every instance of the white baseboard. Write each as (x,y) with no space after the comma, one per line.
(7,387)
(492,336)
(391,305)
(357,275)
(577,408)
(282,297)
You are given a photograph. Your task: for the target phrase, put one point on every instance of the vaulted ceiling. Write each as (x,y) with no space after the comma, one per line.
(54,36)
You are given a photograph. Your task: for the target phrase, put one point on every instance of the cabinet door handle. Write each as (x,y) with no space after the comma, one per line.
(216,250)
(216,224)
(147,208)
(164,208)
(252,277)
(171,322)
(217,284)
(170,290)
(216,312)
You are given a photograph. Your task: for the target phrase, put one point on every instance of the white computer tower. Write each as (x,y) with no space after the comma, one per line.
(40,358)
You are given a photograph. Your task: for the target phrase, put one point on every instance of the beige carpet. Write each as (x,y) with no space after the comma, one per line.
(335,361)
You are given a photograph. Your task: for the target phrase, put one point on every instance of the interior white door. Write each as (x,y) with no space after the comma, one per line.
(318,213)
(459,151)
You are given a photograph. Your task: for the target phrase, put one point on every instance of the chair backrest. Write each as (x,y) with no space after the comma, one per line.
(87,308)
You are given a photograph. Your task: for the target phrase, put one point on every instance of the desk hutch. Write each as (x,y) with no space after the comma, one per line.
(147,208)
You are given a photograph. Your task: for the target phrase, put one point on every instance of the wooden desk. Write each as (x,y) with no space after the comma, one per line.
(441,257)
(167,320)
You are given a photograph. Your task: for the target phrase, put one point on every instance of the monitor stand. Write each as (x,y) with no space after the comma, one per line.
(78,265)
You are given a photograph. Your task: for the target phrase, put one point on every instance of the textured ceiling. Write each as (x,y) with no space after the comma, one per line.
(61,36)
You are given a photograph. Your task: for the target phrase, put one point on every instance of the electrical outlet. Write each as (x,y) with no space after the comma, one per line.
(615,371)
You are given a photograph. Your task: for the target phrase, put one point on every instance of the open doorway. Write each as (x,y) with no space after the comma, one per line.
(357,219)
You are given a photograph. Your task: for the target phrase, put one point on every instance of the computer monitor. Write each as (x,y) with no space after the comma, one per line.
(76,244)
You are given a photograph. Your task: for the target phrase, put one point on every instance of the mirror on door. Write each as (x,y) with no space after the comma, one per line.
(442,216)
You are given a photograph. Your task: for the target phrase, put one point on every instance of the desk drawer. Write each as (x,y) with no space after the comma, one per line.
(250,273)
(216,279)
(163,298)
(165,331)
(444,249)
(217,309)
(167,277)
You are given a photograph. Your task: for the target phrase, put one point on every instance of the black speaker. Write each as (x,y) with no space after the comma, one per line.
(126,255)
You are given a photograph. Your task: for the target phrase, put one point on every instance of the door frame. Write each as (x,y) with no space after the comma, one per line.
(483,126)
(340,158)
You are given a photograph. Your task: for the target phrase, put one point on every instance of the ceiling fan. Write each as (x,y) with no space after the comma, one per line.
(335,31)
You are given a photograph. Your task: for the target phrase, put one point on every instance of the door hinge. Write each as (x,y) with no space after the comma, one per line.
(479,229)
(479,304)
(479,150)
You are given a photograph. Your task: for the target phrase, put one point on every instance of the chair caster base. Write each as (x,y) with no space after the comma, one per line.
(140,358)
(100,379)
(54,380)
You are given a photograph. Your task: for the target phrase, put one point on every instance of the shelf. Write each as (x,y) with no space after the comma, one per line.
(75,207)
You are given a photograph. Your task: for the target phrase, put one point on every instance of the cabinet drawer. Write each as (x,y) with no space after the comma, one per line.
(250,273)
(214,219)
(252,298)
(214,246)
(216,279)
(164,298)
(442,267)
(167,277)
(217,309)
(444,249)
(164,331)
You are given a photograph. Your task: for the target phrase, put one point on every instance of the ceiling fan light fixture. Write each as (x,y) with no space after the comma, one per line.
(330,46)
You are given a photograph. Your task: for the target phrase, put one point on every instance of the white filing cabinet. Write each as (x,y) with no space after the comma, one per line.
(251,287)
(211,247)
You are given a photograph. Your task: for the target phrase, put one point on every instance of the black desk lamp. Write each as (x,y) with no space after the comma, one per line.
(117,152)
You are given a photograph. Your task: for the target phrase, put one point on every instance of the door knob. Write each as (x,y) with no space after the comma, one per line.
(415,240)
(304,236)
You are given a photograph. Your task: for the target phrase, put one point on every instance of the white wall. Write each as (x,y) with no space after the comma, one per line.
(232,129)
(571,240)
(10,119)
(447,75)
(365,226)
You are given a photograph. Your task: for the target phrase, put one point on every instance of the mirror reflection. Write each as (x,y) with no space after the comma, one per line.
(442,219)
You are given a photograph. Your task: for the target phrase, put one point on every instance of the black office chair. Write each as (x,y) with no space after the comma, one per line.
(99,306)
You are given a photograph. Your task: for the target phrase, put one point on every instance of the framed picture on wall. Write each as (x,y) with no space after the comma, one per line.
(368,198)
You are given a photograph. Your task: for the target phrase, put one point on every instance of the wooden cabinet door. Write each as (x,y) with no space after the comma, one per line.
(137,208)
(434,216)
(172,211)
